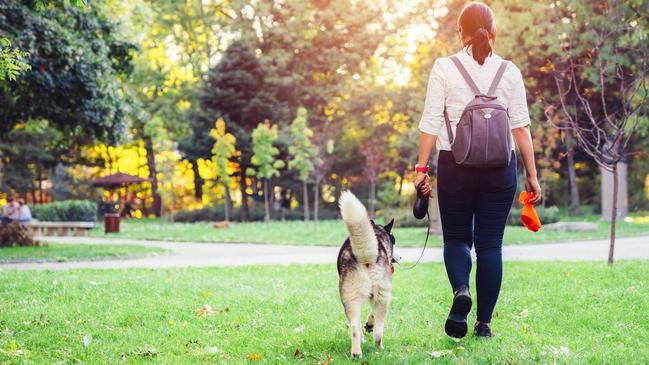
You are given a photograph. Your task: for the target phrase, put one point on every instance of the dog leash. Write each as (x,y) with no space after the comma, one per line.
(423,249)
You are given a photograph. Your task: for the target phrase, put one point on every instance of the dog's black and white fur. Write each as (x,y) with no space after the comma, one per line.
(364,268)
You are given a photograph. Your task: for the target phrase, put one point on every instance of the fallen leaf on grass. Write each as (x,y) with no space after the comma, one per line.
(254,357)
(298,354)
(205,310)
(211,350)
(442,353)
(146,351)
(298,329)
(327,362)
(14,350)
(523,314)
(87,340)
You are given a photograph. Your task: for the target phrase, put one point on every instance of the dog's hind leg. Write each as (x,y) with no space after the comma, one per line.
(369,324)
(353,313)
(379,312)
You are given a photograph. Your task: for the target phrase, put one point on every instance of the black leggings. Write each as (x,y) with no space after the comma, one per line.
(474,204)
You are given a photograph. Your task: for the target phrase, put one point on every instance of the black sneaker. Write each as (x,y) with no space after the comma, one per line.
(456,322)
(482,329)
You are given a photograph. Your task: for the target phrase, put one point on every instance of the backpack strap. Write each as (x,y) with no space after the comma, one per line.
(466,75)
(497,78)
(448,127)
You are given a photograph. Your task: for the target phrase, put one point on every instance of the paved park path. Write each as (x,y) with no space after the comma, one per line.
(195,254)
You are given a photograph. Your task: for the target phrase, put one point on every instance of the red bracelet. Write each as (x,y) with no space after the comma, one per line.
(423,169)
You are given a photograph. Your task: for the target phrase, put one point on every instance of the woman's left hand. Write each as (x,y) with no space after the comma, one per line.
(532,186)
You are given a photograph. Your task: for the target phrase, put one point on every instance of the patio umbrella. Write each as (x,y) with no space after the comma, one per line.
(118,180)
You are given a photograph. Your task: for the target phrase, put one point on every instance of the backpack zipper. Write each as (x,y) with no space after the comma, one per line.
(486,151)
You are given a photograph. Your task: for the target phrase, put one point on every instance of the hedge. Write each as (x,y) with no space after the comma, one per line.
(216,213)
(66,211)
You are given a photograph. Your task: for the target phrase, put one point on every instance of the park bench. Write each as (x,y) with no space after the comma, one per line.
(59,228)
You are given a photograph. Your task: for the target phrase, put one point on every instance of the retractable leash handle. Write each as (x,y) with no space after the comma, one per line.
(420,210)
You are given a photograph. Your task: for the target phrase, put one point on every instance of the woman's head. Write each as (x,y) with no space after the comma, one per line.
(477,28)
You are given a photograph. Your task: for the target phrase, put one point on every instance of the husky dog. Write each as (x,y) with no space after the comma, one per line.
(365,270)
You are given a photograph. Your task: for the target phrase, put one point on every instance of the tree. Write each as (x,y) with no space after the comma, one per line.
(600,73)
(31,149)
(196,29)
(71,51)
(303,152)
(322,161)
(166,162)
(263,158)
(222,152)
(234,91)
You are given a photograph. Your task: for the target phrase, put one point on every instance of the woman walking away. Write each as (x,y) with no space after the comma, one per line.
(475,110)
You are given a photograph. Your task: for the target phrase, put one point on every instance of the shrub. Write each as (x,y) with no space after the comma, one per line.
(66,211)
(216,213)
(546,214)
(15,234)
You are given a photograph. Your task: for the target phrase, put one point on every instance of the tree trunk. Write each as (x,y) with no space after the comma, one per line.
(574,189)
(316,192)
(244,212)
(226,202)
(372,198)
(172,206)
(153,176)
(401,177)
(611,249)
(266,203)
(198,182)
(39,175)
(305,189)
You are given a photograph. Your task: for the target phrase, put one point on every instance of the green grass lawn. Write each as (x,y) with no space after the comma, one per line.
(333,233)
(571,313)
(72,252)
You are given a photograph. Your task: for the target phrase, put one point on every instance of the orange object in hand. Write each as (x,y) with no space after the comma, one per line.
(529,217)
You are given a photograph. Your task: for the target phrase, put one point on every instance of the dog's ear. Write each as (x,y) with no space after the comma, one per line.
(388,227)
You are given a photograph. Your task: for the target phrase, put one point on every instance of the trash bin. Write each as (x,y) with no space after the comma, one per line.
(111,223)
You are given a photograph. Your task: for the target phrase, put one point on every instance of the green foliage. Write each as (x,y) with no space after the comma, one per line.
(264,152)
(222,151)
(66,211)
(235,88)
(66,187)
(12,61)
(29,150)
(44,4)
(76,61)
(301,147)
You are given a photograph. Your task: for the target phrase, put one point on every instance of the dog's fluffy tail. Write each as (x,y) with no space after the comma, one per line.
(361,233)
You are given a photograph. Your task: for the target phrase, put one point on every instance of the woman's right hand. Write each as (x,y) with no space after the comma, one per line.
(423,184)
(532,186)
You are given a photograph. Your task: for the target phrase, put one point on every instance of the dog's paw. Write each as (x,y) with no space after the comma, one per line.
(357,356)
(378,342)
